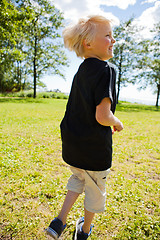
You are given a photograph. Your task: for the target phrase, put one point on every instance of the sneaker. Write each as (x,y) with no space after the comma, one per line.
(55,229)
(79,234)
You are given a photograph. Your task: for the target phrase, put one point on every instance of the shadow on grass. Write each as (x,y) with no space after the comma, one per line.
(135,107)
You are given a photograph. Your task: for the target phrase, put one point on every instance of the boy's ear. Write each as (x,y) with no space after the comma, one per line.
(86,44)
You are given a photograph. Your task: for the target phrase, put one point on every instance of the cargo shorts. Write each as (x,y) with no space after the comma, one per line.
(93,183)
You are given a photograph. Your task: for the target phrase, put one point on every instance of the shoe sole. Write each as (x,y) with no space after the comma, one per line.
(51,234)
(77,223)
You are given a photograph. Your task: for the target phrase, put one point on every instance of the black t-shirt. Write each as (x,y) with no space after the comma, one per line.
(85,143)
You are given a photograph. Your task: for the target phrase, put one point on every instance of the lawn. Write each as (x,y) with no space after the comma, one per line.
(34,176)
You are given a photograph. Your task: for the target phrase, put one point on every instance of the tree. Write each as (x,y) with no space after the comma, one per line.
(123,52)
(30,43)
(148,63)
(10,21)
(45,51)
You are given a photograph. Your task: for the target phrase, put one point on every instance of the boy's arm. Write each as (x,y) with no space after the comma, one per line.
(105,117)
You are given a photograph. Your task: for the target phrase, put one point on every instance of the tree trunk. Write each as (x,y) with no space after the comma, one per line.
(34,63)
(118,90)
(158,92)
(34,66)
(119,80)
(18,78)
(119,73)
(20,74)
(0,84)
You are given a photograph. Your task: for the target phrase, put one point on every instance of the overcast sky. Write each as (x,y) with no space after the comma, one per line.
(146,13)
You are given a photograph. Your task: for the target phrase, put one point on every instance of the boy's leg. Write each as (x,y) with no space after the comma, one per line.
(58,224)
(88,217)
(70,199)
(75,187)
(95,191)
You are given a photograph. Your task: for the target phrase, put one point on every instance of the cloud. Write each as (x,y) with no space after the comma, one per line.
(74,9)
(149,1)
(148,18)
(117,3)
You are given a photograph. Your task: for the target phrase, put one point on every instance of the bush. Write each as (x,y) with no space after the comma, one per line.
(29,94)
(52,95)
(21,94)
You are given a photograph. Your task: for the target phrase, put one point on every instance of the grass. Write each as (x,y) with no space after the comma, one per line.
(34,176)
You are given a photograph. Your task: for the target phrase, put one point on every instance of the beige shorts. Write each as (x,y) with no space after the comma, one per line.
(93,183)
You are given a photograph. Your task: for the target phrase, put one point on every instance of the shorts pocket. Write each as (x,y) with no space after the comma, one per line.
(101,179)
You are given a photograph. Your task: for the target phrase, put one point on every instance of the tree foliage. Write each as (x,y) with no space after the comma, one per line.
(137,60)
(34,43)
(10,22)
(123,52)
(148,62)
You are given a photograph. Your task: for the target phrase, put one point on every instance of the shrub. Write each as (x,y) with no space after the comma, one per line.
(29,95)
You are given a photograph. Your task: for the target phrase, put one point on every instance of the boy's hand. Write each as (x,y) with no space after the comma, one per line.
(105,117)
(118,127)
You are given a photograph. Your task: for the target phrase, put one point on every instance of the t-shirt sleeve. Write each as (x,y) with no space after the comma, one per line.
(103,87)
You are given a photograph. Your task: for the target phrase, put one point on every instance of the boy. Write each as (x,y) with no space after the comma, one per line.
(85,129)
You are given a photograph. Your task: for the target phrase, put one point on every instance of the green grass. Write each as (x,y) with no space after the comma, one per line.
(34,176)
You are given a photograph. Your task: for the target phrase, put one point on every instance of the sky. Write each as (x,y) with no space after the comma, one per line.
(146,13)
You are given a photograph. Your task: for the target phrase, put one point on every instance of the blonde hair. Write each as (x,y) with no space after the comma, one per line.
(74,35)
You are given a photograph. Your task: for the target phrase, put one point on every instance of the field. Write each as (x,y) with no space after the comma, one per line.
(33,174)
